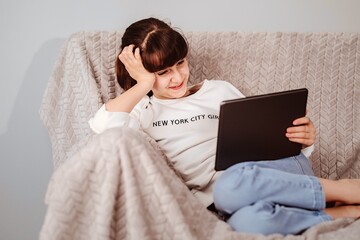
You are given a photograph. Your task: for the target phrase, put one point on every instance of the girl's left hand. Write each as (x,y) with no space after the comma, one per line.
(303,132)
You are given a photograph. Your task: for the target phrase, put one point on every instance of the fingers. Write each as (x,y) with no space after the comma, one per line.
(305,138)
(302,120)
(127,56)
(303,132)
(130,58)
(137,54)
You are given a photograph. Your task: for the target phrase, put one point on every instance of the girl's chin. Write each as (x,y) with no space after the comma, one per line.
(178,95)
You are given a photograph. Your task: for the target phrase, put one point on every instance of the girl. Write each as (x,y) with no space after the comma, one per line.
(281,196)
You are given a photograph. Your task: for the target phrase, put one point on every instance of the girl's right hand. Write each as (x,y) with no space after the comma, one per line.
(133,64)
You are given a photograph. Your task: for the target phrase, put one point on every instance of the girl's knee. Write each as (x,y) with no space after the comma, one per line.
(233,189)
(256,218)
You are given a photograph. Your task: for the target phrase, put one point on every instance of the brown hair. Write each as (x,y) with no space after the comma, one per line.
(160,47)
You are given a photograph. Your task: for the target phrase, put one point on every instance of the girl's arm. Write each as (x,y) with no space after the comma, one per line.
(126,101)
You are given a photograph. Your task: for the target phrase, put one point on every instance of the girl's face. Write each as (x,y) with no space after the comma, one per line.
(172,82)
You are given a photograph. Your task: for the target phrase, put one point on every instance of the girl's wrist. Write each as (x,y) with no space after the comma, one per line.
(147,85)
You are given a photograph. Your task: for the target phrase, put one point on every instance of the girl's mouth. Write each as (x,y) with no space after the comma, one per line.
(177,87)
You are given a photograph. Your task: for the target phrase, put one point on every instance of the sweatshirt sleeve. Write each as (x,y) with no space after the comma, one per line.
(104,120)
(308,150)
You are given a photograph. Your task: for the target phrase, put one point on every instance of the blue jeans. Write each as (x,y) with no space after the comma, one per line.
(266,197)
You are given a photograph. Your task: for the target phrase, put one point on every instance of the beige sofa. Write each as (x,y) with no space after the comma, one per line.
(103,188)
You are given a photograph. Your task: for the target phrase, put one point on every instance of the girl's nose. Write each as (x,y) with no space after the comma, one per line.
(176,77)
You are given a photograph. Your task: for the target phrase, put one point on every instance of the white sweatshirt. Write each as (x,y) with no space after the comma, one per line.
(185,129)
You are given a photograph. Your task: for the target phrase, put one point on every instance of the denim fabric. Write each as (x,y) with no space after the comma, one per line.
(281,196)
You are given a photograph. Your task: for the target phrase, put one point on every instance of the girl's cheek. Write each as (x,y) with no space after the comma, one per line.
(160,82)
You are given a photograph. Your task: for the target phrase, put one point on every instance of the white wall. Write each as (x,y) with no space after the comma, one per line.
(32,33)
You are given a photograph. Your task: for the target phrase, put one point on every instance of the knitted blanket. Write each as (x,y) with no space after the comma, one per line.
(118,185)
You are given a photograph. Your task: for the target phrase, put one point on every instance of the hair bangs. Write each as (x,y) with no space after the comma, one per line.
(163,50)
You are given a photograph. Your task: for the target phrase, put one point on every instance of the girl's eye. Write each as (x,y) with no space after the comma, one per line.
(180,62)
(162,73)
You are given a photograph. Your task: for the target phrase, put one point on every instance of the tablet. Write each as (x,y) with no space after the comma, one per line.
(253,128)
